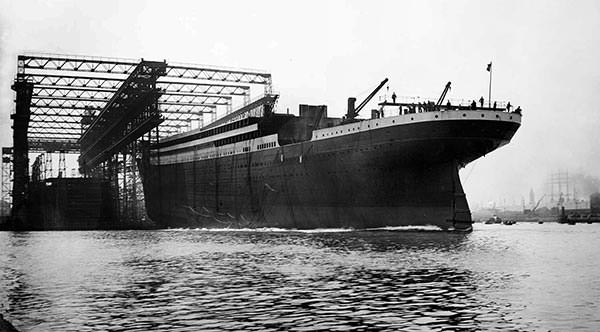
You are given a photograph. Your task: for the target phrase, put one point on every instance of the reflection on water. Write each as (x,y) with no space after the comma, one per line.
(497,278)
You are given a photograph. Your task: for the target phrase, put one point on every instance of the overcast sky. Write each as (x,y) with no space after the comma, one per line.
(545,57)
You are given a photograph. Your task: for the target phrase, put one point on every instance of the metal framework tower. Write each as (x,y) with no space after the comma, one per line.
(21,118)
(7,176)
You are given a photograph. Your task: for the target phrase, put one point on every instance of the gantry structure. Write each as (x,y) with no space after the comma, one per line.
(67,87)
(103,108)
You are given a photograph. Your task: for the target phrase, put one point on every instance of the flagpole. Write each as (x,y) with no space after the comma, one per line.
(490,89)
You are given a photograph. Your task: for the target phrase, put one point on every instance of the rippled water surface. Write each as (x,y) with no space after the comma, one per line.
(521,277)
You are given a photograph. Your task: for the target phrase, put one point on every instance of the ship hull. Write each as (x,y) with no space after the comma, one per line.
(382,177)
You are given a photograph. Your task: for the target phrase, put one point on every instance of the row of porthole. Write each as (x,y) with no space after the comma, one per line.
(464,115)
(341,131)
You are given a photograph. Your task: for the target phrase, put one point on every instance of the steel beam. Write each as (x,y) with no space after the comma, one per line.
(79,111)
(44,80)
(82,64)
(91,103)
(80,93)
(217,74)
(126,67)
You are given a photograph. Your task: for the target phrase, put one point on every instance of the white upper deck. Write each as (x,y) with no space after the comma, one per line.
(454,115)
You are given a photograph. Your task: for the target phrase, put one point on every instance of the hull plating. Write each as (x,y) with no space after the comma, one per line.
(392,176)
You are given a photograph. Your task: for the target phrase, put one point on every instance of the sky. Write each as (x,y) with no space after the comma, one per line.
(544,56)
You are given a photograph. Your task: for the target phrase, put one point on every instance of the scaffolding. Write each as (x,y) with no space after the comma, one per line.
(93,106)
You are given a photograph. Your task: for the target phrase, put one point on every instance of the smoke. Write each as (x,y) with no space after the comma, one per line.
(585,185)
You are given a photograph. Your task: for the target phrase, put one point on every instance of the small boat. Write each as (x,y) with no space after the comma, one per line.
(494,220)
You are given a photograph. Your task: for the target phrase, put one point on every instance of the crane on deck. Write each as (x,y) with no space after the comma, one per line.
(441,100)
(353,112)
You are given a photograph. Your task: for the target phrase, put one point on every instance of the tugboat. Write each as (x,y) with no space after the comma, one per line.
(494,220)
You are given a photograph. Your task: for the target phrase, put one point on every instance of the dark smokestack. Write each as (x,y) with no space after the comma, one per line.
(351,102)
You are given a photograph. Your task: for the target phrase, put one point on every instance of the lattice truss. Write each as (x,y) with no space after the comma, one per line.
(67,87)
(7,181)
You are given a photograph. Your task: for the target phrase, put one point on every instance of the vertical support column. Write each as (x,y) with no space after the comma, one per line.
(62,164)
(42,158)
(20,119)
(269,85)
(134,184)
(124,194)
(111,169)
(201,120)
(48,167)
(158,166)
(213,115)
(6,195)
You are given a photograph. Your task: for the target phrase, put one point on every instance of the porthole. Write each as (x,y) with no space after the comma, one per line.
(483,115)
(412,119)
(393,121)
(377,124)
(464,115)
(497,116)
(436,116)
(511,117)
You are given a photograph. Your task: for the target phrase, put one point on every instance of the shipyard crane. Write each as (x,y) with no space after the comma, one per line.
(353,112)
(441,100)
(538,203)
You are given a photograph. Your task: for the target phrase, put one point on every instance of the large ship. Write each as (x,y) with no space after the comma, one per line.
(258,168)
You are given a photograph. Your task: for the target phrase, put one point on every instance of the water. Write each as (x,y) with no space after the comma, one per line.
(521,277)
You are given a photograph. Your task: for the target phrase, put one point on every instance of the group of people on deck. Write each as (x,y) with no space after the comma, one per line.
(494,106)
(430,106)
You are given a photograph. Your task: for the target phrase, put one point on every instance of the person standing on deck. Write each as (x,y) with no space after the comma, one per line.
(481,101)
(518,110)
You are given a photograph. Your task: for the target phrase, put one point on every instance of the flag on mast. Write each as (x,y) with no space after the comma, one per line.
(489,66)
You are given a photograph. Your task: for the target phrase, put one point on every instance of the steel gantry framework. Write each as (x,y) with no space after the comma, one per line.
(66,86)
(72,94)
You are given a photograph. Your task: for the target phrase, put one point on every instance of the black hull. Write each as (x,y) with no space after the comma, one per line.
(393,176)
